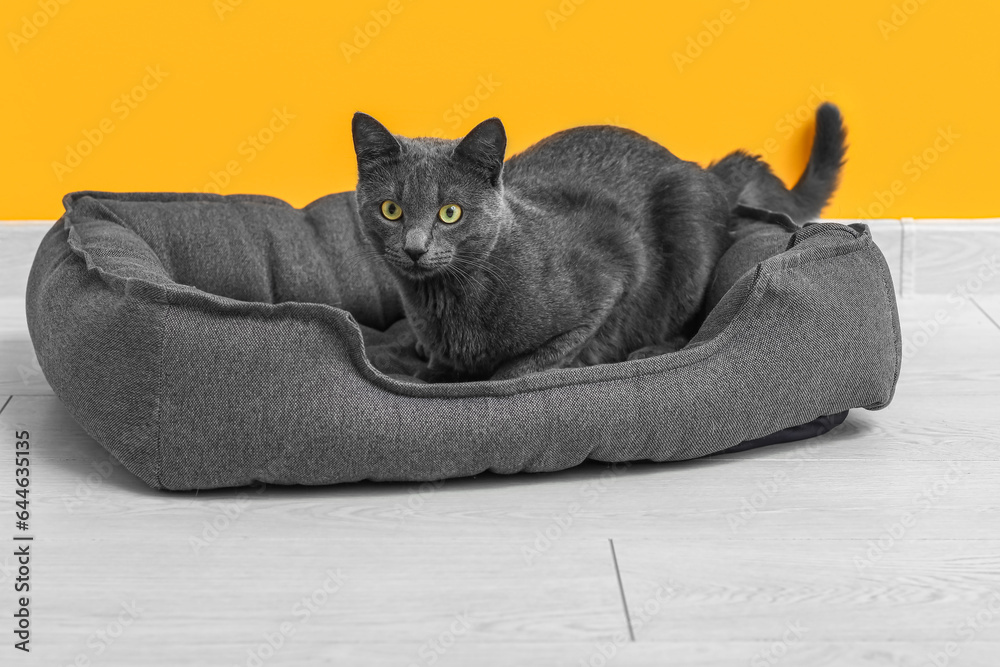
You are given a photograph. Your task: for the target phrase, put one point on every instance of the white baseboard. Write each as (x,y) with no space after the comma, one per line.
(938,256)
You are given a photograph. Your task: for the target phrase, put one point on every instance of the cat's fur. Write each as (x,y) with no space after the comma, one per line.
(594,245)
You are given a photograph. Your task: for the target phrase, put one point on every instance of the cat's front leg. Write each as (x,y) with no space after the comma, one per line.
(438,370)
(666,347)
(553,354)
(435,373)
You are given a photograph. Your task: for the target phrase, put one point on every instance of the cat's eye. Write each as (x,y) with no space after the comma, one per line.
(450,213)
(391,210)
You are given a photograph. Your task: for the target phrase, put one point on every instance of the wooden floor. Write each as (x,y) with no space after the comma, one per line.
(877,544)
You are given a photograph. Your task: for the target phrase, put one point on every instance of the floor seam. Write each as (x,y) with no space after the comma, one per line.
(983,311)
(621,590)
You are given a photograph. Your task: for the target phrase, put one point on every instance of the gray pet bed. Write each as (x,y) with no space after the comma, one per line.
(212,341)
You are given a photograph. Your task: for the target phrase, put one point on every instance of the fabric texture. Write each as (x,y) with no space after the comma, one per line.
(211,341)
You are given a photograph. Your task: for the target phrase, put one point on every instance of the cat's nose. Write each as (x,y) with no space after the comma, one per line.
(415,243)
(415,253)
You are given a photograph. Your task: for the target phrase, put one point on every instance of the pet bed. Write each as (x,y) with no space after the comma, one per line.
(211,341)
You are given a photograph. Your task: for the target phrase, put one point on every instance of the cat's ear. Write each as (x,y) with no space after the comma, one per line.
(372,142)
(484,147)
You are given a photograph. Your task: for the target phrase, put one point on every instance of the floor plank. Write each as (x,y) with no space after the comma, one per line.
(20,372)
(990,305)
(951,256)
(915,591)
(18,243)
(745,497)
(327,588)
(914,427)
(309,650)
(948,346)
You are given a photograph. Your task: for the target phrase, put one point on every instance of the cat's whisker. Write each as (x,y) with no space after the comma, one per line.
(489,260)
(459,267)
(496,258)
(479,281)
(490,271)
(496,281)
(461,283)
(494,271)
(466,277)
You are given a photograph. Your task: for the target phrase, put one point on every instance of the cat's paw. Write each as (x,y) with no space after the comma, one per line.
(511,371)
(429,375)
(421,351)
(434,373)
(651,351)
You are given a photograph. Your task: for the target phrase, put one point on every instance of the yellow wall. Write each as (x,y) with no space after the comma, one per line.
(162,95)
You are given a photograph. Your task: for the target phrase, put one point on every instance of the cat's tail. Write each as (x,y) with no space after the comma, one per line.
(751,182)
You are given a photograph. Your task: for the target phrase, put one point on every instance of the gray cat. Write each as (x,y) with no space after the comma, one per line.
(594,245)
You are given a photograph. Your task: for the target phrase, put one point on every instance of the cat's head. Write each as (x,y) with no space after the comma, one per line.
(427,204)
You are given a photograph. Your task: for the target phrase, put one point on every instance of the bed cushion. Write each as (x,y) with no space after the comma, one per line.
(211,341)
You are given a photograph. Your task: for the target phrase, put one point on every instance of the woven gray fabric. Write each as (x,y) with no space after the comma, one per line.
(212,341)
